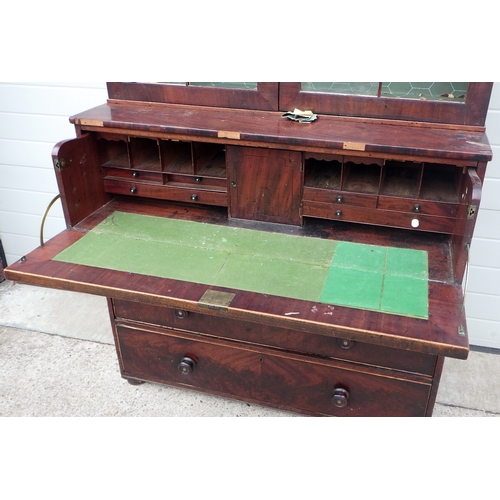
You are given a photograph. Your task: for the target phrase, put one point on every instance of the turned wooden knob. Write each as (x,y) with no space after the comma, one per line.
(340,397)
(417,208)
(186,366)
(133,190)
(194,197)
(181,314)
(340,199)
(338,213)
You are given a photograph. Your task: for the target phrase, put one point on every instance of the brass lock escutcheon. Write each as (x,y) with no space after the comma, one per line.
(61,163)
(471,211)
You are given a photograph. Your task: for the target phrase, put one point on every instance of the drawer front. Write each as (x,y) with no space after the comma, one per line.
(281,338)
(185,194)
(134,175)
(198,182)
(416,221)
(265,376)
(339,198)
(418,206)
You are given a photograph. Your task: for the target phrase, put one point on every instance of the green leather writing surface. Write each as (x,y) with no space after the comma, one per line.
(384,279)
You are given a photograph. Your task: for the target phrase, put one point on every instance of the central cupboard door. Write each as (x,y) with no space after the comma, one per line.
(264,184)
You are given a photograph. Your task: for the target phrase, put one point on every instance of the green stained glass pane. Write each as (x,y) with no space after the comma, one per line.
(433,91)
(354,88)
(226,85)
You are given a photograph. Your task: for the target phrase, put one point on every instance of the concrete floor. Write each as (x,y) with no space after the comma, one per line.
(57,358)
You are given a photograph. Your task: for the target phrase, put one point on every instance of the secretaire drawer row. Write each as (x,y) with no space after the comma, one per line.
(415,195)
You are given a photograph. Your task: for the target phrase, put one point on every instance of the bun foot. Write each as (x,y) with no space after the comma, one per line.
(132,381)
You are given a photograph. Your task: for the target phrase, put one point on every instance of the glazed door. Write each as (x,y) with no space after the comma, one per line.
(457,103)
(256,95)
(264,184)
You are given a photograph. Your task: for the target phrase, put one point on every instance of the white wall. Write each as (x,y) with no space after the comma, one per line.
(483,295)
(34,117)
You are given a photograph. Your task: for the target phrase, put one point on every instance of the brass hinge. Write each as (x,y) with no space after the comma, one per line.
(471,211)
(61,163)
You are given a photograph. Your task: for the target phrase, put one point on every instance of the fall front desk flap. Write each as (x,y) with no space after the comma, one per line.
(384,279)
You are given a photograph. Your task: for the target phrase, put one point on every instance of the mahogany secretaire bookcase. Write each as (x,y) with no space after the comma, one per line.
(314,266)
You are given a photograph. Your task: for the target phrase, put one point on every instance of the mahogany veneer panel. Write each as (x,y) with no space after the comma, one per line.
(282,380)
(275,337)
(265,185)
(269,129)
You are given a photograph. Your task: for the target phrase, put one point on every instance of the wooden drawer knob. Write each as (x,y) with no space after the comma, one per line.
(194,197)
(186,366)
(181,314)
(340,397)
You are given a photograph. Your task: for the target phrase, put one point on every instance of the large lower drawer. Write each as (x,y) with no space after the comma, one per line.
(281,338)
(260,375)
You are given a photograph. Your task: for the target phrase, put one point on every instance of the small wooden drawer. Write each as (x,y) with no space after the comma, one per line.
(274,337)
(338,198)
(135,175)
(418,206)
(389,218)
(174,193)
(282,380)
(197,181)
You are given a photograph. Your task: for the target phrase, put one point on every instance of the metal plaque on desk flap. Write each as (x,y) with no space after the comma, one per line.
(212,299)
